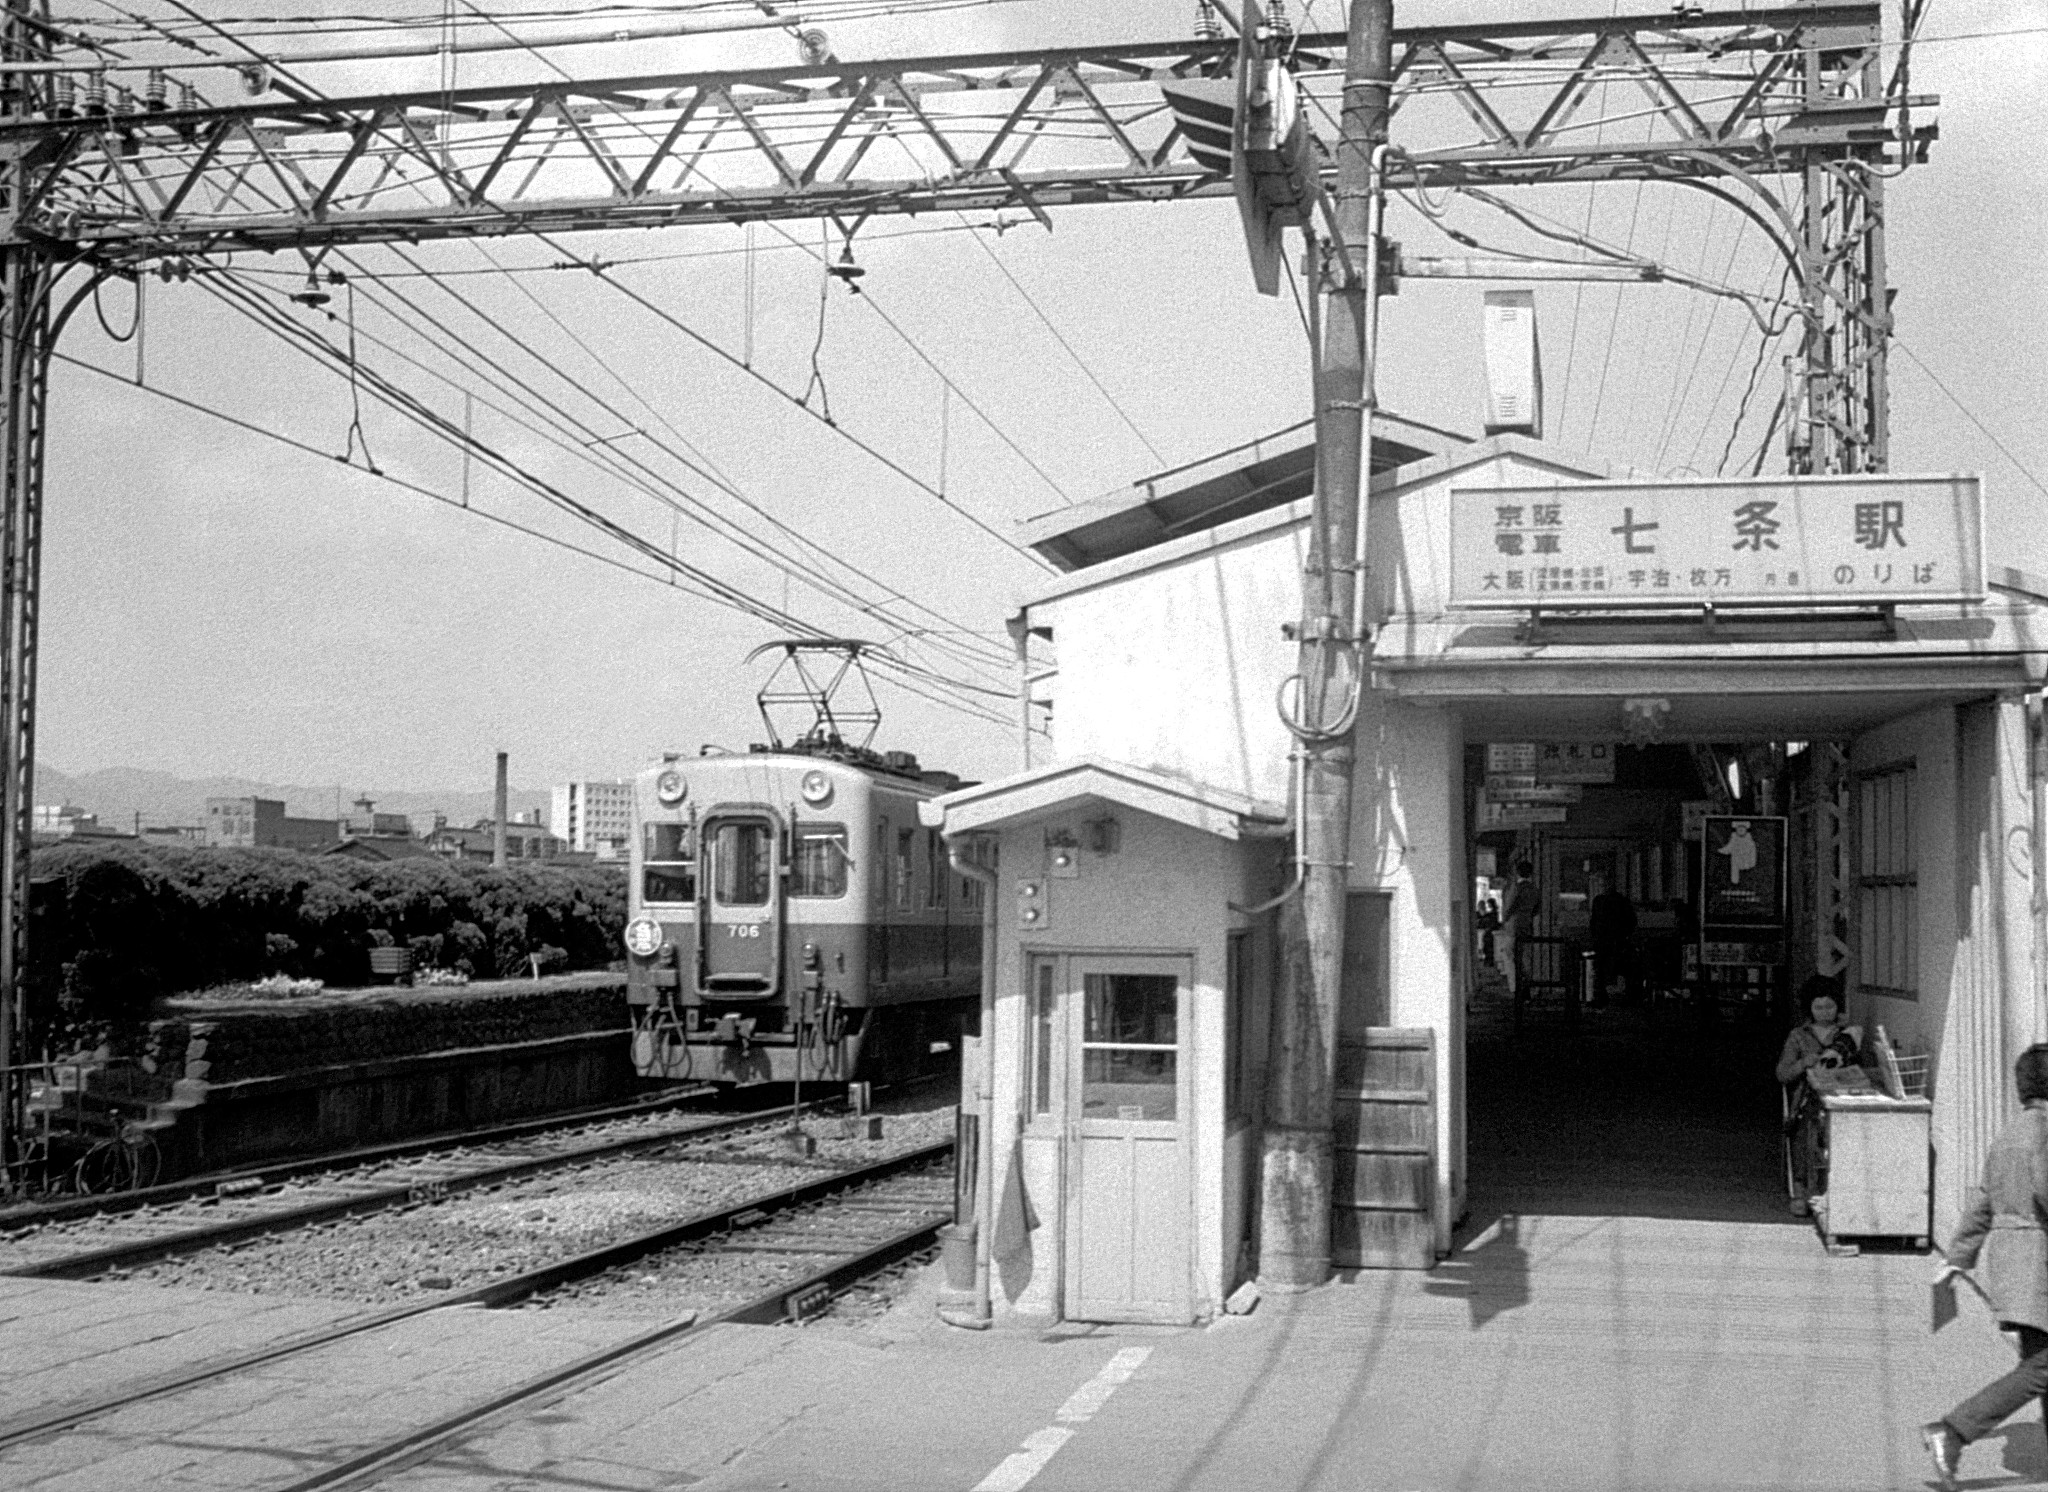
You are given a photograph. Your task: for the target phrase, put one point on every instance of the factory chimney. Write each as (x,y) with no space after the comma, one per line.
(498,817)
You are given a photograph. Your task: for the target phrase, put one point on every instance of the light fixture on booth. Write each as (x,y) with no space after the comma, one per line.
(1642,720)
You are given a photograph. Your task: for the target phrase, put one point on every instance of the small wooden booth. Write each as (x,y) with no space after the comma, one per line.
(1123,1030)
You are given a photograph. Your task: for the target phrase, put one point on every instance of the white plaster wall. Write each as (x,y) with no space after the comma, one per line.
(1166,891)
(1949,1018)
(1408,838)
(1176,665)
(1176,669)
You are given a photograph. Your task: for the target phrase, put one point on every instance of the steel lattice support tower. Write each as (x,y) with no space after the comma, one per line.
(1837,418)
(26,332)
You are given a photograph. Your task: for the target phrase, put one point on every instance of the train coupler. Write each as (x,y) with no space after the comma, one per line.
(735,1030)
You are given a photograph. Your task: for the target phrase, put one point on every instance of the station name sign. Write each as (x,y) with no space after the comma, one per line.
(1787,541)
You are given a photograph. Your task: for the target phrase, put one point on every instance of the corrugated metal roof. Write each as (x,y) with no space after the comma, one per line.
(1246,479)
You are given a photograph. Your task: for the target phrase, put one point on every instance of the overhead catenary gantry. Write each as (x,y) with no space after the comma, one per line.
(1730,103)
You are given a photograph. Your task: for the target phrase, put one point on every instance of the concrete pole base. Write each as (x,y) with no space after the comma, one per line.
(1294,1209)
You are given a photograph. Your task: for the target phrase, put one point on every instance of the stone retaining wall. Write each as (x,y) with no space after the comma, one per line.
(237,1084)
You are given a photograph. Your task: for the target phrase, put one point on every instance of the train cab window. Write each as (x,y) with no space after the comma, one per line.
(742,860)
(668,863)
(819,866)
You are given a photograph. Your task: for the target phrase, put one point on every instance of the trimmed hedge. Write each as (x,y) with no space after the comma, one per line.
(115,926)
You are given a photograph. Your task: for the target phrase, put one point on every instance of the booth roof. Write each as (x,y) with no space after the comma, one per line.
(1044,791)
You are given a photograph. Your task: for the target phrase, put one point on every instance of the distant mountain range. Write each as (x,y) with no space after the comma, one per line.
(117,794)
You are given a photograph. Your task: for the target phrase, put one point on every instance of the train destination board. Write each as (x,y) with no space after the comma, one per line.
(1788,541)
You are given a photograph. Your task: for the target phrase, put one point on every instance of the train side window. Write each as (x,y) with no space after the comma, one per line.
(905,868)
(819,868)
(935,870)
(742,858)
(878,878)
(668,863)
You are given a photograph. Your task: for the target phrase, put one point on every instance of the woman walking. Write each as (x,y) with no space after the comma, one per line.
(2007,1227)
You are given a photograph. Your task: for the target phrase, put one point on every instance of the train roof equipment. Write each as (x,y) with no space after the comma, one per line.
(819,701)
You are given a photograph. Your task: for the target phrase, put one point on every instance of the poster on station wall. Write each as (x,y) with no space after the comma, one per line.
(1742,876)
(1802,541)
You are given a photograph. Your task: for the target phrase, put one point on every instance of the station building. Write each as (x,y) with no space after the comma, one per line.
(1832,677)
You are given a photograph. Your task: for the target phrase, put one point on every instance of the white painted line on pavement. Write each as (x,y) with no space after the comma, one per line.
(1021,1466)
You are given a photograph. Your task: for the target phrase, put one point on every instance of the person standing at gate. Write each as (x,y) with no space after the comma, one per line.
(1517,921)
(1611,929)
(2007,1227)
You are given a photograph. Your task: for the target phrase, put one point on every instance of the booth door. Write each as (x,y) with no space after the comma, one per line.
(1130,1221)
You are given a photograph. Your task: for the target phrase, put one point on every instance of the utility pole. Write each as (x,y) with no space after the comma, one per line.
(1294,1246)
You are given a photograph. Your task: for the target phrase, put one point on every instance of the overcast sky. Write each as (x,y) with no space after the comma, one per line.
(216,603)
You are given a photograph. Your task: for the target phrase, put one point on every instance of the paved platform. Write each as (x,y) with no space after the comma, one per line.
(1551,1352)
(1629,1307)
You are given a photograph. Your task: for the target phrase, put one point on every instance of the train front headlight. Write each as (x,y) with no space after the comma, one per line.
(670,787)
(643,937)
(816,788)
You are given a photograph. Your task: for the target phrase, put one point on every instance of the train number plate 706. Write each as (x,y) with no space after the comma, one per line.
(743,929)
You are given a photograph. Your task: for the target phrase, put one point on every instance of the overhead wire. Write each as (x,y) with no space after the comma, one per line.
(581,441)
(887,320)
(501,330)
(915,685)
(702,582)
(560,499)
(1080,362)
(719,478)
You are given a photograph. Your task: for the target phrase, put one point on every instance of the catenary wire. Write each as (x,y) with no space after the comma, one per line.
(703,583)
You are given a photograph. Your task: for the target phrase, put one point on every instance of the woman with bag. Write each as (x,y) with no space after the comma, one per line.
(2007,1229)
(1823,1042)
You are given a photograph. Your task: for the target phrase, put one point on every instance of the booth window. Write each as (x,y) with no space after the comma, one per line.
(821,859)
(1042,1004)
(1130,1047)
(1887,884)
(1237,1005)
(668,864)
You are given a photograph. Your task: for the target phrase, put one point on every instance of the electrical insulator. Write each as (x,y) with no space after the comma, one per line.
(1207,27)
(188,96)
(63,97)
(1277,24)
(158,94)
(96,93)
(124,102)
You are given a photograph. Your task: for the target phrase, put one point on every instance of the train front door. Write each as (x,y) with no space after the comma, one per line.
(742,933)
(1130,1224)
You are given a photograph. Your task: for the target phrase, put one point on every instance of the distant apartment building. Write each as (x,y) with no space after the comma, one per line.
(594,818)
(249,822)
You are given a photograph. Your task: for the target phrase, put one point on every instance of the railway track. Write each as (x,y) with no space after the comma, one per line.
(19,1216)
(836,1229)
(70,1248)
